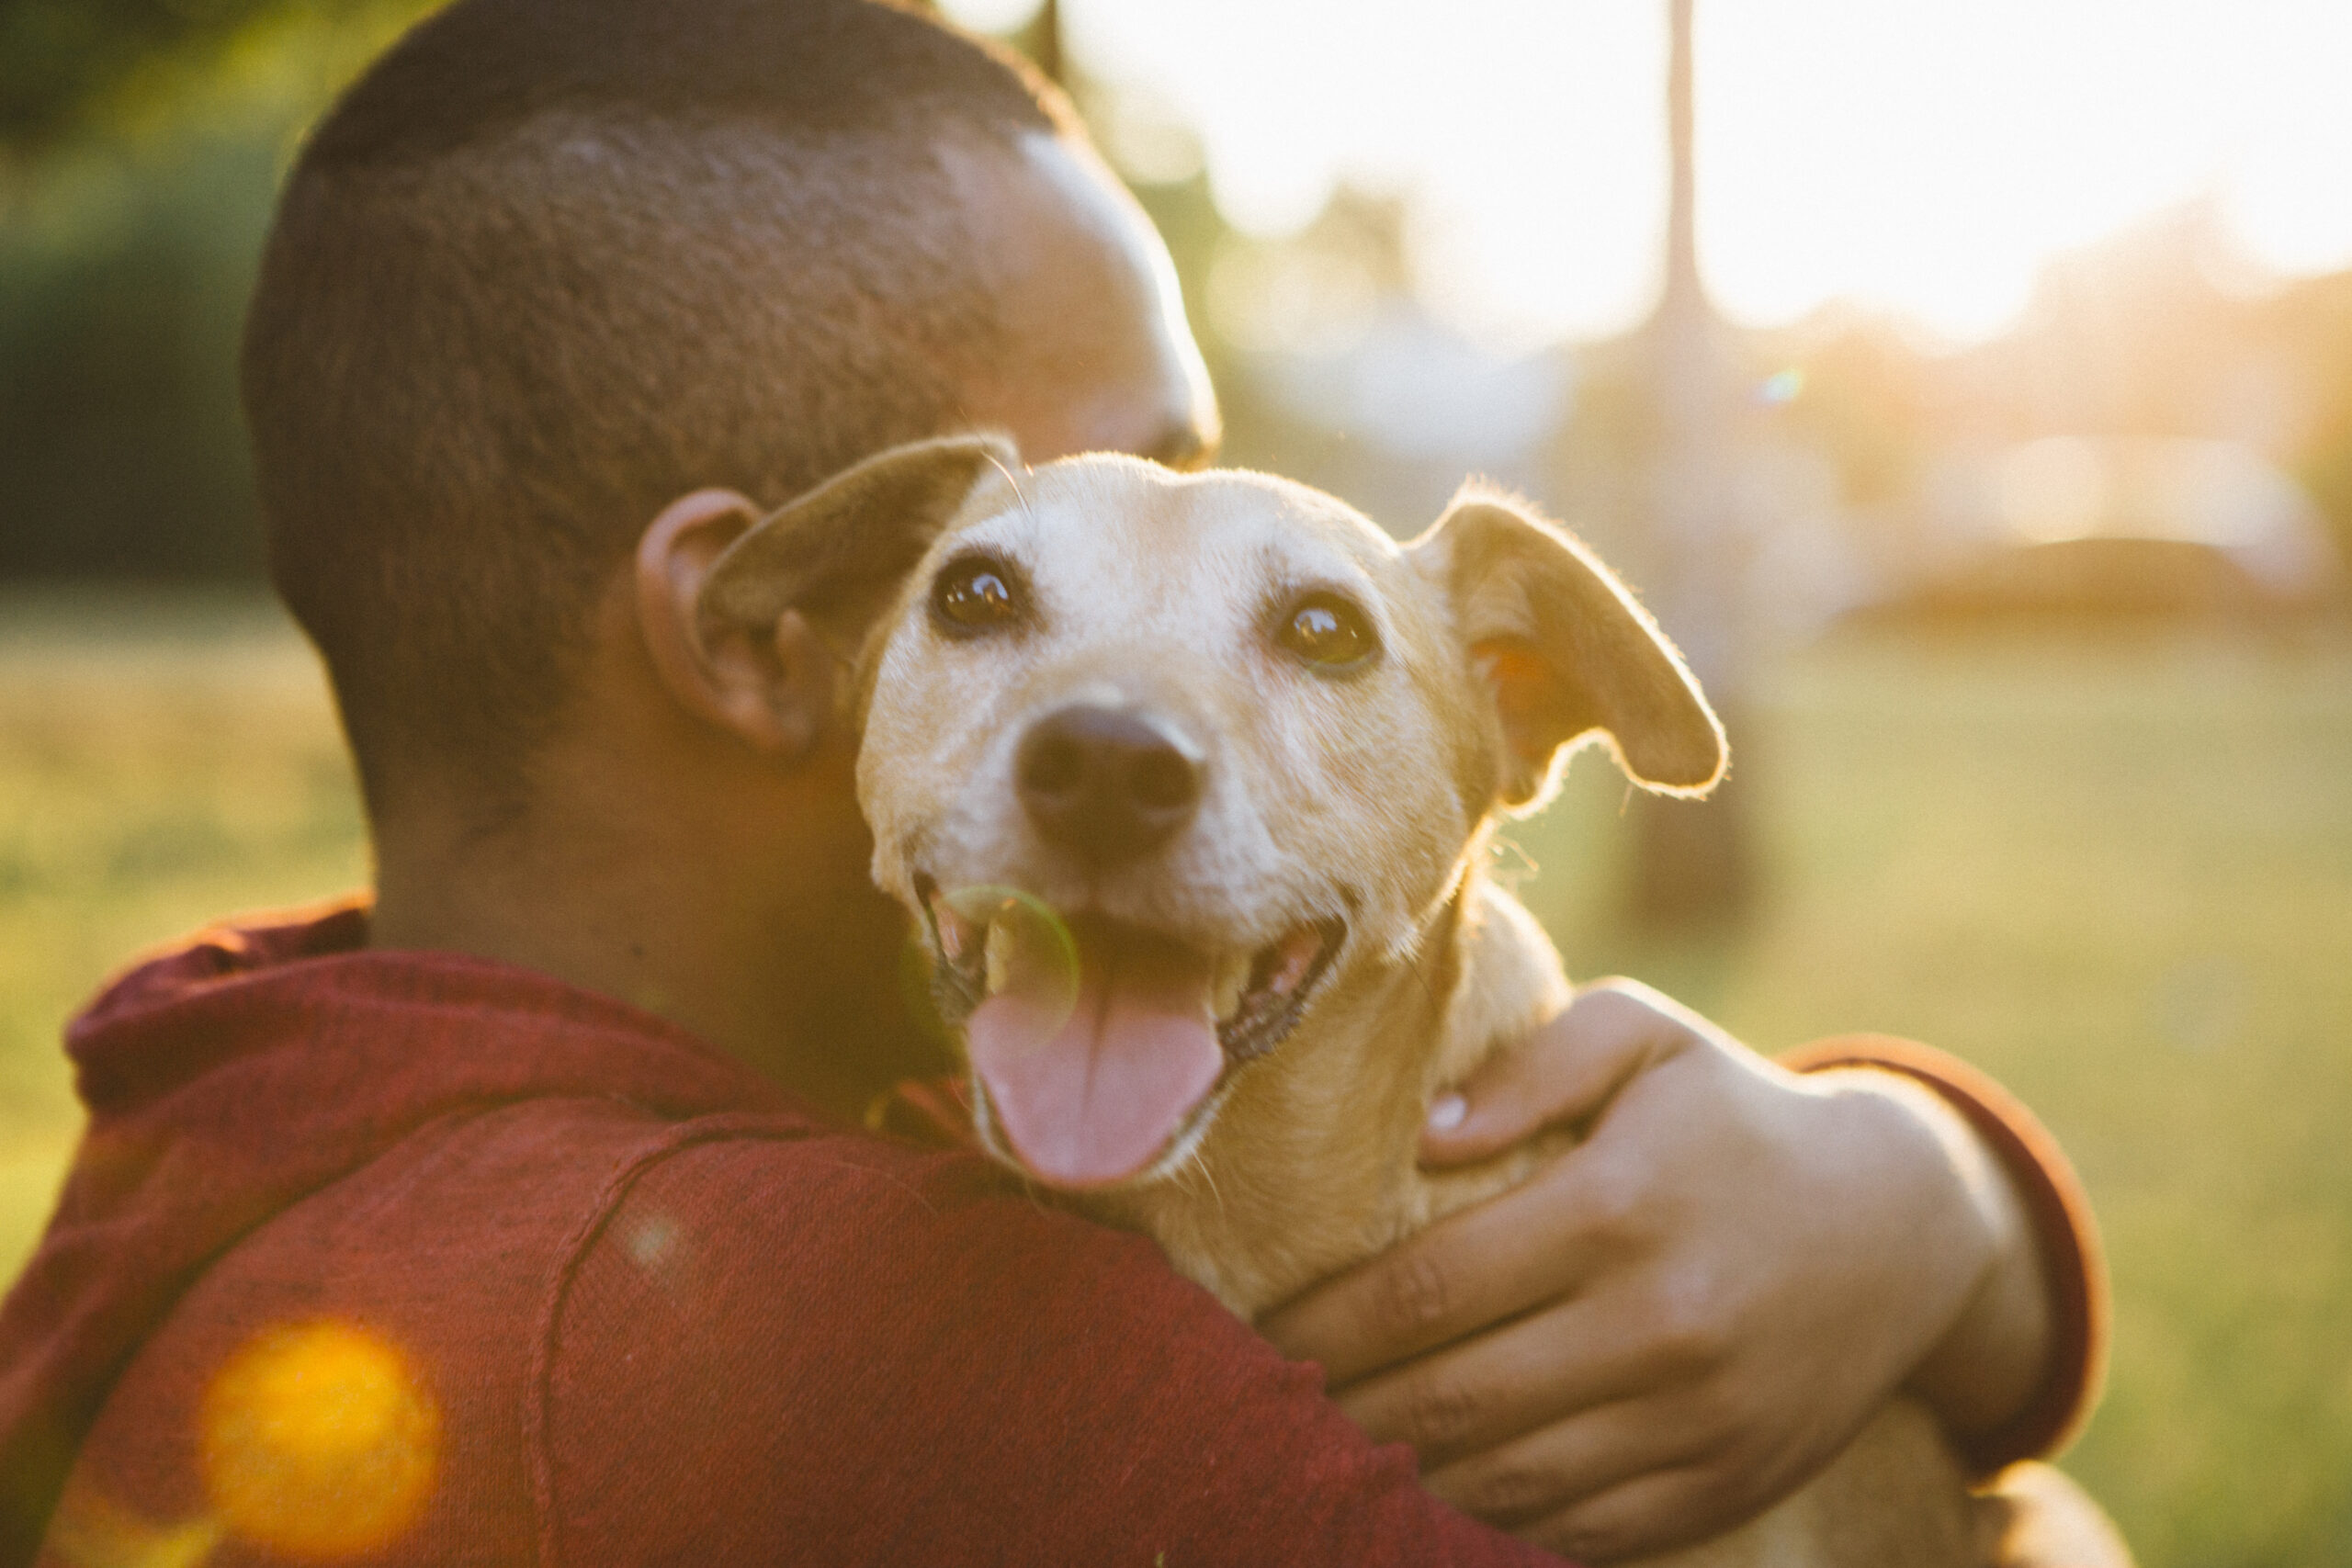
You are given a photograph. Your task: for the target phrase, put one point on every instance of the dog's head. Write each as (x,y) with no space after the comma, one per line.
(1232,735)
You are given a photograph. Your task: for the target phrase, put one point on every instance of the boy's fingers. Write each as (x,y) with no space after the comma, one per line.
(1490,1262)
(1594,1478)
(1553,1365)
(1565,1073)
(1653,1512)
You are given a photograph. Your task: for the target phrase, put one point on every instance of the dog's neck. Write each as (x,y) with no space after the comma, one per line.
(1312,1164)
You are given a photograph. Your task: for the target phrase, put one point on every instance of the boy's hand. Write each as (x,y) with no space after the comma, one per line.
(1679,1320)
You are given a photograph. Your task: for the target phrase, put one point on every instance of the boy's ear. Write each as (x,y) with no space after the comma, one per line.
(749,617)
(1567,654)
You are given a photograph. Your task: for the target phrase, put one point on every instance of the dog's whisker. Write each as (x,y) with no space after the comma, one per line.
(1018,494)
(1196,1162)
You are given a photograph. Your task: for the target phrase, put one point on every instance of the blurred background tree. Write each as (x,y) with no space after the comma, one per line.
(63,63)
(141,143)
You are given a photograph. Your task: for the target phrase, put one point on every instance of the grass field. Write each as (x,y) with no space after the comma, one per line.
(2120,876)
(162,761)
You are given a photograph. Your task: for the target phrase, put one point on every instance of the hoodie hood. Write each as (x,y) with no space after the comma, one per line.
(229,1077)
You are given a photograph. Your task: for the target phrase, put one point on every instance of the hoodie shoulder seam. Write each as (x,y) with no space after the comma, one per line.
(539,1456)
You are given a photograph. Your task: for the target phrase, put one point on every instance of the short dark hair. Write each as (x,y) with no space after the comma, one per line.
(549,265)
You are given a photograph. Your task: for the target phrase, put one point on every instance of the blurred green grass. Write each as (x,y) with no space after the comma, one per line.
(2117,874)
(165,759)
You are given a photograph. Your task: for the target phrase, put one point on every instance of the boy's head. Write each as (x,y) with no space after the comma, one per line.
(551,264)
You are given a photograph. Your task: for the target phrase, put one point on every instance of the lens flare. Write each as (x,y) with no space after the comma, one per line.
(1030,973)
(91,1530)
(319,1441)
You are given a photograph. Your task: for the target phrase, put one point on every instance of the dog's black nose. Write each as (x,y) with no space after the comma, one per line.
(1106,783)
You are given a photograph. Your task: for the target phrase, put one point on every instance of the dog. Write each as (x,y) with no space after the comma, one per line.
(1189,780)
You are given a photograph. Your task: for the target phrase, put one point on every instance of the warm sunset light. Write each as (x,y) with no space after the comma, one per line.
(592,590)
(1923,159)
(320,1442)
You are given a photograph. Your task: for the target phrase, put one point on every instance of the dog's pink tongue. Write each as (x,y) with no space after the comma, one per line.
(1094,1098)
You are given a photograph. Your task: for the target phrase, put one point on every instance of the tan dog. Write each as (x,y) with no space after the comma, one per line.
(1250,751)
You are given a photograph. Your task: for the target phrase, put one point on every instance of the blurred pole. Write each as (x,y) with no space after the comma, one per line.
(1046,47)
(1039,38)
(1691,859)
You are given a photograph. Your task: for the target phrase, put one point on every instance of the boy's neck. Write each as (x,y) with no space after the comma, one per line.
(752,924)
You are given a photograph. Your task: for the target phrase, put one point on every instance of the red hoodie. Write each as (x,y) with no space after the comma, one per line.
(410,1257)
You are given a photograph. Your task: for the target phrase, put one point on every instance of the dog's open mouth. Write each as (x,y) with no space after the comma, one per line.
(1097,1044)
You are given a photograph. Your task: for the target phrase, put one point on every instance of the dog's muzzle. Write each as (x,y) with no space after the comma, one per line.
(1097,1046)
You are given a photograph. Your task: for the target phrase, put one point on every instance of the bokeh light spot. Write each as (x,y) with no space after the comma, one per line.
(1032,971)
(319,1441)
(91,1530)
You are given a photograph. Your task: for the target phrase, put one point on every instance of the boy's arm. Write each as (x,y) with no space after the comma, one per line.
(842,1351)
(2071,1268)
(1684,1316)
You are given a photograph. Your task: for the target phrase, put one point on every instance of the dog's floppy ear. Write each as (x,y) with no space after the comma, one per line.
(837,554)
(1566,653)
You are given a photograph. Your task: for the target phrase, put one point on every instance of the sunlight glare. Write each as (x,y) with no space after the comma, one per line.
(992,16)
(1927,161)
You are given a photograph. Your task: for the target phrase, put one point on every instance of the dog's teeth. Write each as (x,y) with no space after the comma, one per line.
(1232,981)
(1298,955)
(1002,940)
(955,931)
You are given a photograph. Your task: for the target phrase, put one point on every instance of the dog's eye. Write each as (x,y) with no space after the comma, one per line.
(1328,633)
(975,595)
